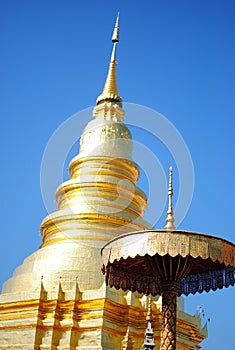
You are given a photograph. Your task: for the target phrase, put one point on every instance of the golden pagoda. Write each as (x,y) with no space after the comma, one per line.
(57,298)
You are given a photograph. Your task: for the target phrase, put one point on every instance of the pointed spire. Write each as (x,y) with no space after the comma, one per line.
(170,219)
(61,294)
(149,341)
(78,293)
(110,91)
(43,292)
(127,343)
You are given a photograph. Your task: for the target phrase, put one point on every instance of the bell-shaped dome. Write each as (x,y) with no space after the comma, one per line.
(99,202)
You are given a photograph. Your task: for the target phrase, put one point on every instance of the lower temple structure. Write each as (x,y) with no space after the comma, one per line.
(92,319)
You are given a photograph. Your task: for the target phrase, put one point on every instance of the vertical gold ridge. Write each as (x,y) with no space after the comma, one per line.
(127,342)
(148,317)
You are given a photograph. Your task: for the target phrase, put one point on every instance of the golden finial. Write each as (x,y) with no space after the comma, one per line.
(110,91)
(170,219)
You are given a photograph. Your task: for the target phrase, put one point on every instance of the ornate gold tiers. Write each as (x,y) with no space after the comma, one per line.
(101,199)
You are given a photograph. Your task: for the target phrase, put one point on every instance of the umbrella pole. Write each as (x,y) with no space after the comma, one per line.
(169,306)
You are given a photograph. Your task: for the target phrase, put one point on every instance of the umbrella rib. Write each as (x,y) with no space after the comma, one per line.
(178,266)
(164,267)
(154,266)
(186,267)
(170,268)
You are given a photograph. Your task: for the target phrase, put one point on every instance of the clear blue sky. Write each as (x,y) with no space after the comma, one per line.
(176,57)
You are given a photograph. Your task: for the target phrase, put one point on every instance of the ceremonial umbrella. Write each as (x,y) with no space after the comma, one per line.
(169,263)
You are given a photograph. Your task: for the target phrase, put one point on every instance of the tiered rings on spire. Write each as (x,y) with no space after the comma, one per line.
(101,199)
(170,219)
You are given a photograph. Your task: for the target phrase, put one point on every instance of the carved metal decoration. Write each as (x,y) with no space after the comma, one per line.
(168,263)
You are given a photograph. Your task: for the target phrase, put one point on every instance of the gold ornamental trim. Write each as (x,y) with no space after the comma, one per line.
(122,191)
(18,305)
(73,221)
(161,242)
(125,167)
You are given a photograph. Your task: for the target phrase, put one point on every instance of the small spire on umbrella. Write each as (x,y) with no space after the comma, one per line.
(149,340)
(170,218)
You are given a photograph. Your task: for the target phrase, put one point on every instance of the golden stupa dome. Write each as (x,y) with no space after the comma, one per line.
(99,202)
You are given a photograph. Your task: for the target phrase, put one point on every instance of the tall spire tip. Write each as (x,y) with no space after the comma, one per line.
(115,36)
(110,91)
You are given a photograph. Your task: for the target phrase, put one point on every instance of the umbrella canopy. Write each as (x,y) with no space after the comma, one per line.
(142,261)
(168,262)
